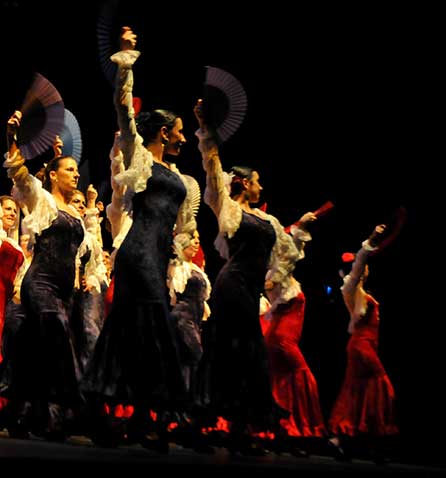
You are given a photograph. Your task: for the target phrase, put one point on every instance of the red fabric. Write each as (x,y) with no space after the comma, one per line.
(119,411)
(326,207)
(3,402)
(294,386)
(108,297)
(137,105)
(264,324)
(199,258)
(221,425)
(365,403)
(10,261)
(287,229)
(348,257)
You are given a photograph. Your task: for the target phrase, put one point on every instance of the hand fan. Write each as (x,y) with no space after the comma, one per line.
(324,209)
(104,33)
(71,137)
(224,103)
(194,191)
(42,118)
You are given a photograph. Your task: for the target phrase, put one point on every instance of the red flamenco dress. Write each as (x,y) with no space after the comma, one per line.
(11,258)
(294,386)
(365,403)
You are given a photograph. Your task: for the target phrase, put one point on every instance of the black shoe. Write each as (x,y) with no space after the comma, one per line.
(298,452)
(203,448)
(160,445)
(245,446)
(107,432)
(379,458)
(247,449)
(338,453)
(18,419)
(18,430)
(280,446)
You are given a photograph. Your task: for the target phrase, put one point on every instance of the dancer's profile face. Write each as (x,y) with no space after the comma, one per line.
(66,176)
(176,138)
(254,188)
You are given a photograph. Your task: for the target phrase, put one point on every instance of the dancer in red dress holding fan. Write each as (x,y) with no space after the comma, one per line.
(365,405)
(294,386)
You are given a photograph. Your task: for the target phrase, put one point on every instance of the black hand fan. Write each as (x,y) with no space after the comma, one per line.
(42,118)
(224,103)
(104,32)
(71,137)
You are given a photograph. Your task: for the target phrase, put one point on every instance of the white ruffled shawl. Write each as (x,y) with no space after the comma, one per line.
(138,161)
(284,254)
(43,211)
(179,273)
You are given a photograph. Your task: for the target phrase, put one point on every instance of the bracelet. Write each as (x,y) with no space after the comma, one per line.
(213,156)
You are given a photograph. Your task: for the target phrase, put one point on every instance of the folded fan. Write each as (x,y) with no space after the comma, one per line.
(42,118)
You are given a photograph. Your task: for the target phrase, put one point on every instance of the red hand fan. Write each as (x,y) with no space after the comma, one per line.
(394,226)
(324,209)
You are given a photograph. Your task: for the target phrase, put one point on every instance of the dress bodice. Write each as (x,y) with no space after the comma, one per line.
(148,242)
(55,253)
(368,325)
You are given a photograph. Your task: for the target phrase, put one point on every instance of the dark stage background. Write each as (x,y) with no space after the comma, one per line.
(340,109)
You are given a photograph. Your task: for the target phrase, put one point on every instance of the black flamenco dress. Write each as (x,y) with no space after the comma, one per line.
(136,360)
(235,379)
(43,371)
(190,289)
(238,377)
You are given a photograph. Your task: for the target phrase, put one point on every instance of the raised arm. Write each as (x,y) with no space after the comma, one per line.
(15,164)
(300,233)
(123,96)
(216,192)
(352,281)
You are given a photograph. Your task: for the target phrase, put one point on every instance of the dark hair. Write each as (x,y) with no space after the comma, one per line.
(53,165)
(148,124)
(240,172)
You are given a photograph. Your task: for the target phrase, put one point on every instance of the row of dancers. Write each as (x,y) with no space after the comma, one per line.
(67,370)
